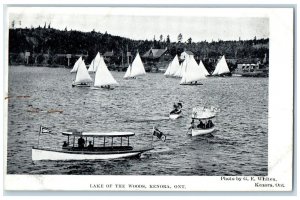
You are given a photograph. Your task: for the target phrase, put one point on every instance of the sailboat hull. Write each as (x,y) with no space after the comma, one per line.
(80,85)
(191,84)
(101,88)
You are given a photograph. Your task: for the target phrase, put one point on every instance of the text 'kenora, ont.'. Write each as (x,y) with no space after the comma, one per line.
(259,181)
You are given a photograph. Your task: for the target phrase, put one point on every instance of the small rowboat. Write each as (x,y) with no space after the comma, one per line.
(110,145)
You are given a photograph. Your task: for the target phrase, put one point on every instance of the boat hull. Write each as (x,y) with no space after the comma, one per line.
(174,116)
(101,88)
(46,154)
(196,132)
(191,84)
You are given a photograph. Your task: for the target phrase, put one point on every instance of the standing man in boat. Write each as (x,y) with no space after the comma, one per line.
(81,143)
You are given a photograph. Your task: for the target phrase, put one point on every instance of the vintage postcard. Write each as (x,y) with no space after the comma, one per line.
(120,98)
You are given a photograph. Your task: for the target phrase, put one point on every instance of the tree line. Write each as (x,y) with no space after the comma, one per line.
(47,40)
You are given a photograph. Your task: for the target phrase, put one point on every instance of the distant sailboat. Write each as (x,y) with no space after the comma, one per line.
(94,64)
(128,71)
(82,76)
(203,68)
(103,77)
(76,65)
(173,67)
(136,68)
(179,72)
(191,73)
(221,68)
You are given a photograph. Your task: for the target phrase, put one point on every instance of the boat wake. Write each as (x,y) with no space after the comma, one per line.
(150,119)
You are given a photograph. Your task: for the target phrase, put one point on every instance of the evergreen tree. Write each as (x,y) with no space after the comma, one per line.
(179,38)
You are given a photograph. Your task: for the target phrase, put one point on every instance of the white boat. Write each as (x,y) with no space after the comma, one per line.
(76,65)
(175,116)
(95,64)
(177,112)
(221,68)
(203,68)
(192,73)
(103,77)
(202,121)
(173,67)
(110,145)
(82,78)
(136,68)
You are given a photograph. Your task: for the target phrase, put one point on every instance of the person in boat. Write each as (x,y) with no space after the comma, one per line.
(201,125)
(192,124)
(65,144)
(209,124)
(90,147)
(81,143)
(177,108)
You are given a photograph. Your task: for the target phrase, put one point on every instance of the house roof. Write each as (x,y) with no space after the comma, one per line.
(155,53)
(108,54)
(189,53)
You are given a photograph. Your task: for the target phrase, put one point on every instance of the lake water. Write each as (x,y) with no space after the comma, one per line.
(239,146)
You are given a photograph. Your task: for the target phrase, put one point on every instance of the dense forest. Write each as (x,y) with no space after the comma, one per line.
(47,40)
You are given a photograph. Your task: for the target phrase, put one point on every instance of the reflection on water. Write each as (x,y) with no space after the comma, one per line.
(238,147)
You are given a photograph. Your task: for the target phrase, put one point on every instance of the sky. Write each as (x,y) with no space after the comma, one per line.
(137,23)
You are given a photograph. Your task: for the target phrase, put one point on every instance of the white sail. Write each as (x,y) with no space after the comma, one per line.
(179,72)
(191,71)
(127,73)
(95,63)
(82,75)
(222,67)
(103,75)
(91,67)
(167,73)
(203,68)
(137,67)
(174,68)
(76,65)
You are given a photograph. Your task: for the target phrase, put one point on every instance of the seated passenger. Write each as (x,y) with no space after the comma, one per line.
(90,146)
(201,125)
(65,144)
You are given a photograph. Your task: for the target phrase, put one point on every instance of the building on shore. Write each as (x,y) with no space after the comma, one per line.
(154,59)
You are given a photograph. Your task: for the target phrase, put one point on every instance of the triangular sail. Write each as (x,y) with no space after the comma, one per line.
(222,67)
(203,68)
(137,67)
(167,73)
(173,67)
(95,63)
(103,75)
(91,67)
(191,71)
(76,65)
(127,73)
(82,75)
(180,70)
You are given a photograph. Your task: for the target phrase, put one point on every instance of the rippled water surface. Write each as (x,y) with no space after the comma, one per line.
(239,146)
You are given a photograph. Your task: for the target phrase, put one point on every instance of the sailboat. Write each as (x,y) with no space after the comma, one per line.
(172,68)
(94,64)
(82,76)
(191,73)
(203,68)
(76,65)
(103,77)
(221,68)
(136,68)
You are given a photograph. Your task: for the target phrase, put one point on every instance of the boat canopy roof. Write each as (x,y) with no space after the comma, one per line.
(98,134)
(204,112)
